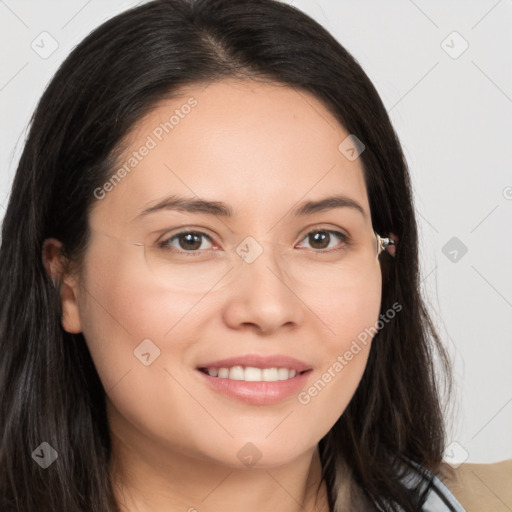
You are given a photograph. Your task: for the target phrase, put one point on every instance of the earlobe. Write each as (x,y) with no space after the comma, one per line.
(392,248)
(70,312)
(53,263)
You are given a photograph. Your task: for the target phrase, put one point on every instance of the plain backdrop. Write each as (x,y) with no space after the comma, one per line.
(444,72)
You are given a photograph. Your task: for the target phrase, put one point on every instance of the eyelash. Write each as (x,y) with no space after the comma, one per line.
(165,243)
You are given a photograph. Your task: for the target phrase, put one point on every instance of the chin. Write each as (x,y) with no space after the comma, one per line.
(259,454)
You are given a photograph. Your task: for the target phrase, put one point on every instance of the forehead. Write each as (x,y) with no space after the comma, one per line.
(259,147)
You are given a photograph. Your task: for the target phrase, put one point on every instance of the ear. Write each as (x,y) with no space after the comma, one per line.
(53,262)
(392,248)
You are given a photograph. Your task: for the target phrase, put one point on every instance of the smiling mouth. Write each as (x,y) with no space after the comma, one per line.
(253,374)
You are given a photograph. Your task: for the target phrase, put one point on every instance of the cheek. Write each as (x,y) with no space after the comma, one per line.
(351,316)
(347,312)
(119,311)
(119,315)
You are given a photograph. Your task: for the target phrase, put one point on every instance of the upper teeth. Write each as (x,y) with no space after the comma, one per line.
(252,374)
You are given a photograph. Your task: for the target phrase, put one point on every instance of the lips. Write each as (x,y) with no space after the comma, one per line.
(260,392)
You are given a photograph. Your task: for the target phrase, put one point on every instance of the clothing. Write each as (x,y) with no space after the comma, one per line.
(439,498)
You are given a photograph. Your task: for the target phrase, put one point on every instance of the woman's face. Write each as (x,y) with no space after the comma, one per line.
(266,281)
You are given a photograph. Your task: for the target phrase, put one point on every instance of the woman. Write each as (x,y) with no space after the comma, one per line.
(209,274)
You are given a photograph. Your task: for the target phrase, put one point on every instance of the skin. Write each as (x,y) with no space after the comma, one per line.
(262,149)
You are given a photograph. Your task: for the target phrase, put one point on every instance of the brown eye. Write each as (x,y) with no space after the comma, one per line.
(319,239)
(325,239)
(189,241)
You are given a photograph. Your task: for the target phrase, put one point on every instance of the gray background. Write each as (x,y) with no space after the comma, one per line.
(452,109)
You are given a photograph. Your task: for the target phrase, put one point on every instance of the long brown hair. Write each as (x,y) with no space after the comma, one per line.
(50,390)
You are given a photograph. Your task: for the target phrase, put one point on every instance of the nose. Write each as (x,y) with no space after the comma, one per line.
(262,296)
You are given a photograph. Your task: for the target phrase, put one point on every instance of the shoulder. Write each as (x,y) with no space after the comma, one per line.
(480,487)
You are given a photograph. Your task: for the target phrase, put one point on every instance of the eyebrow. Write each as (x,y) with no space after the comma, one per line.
(220,209)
